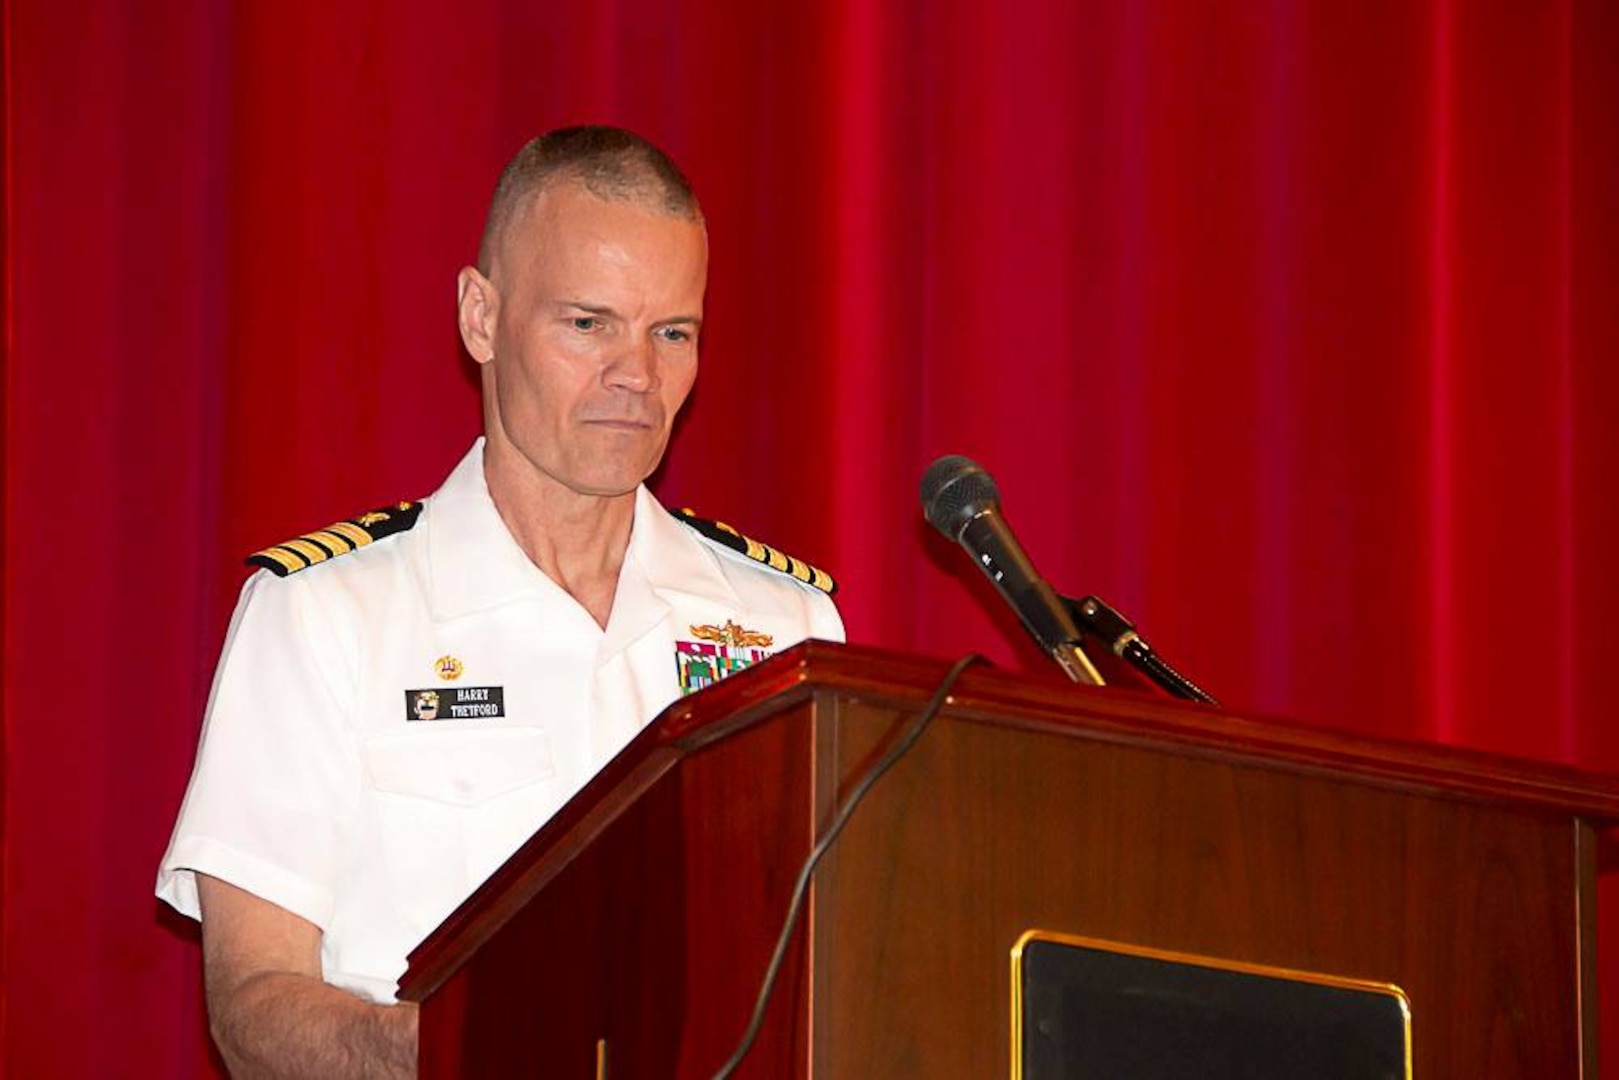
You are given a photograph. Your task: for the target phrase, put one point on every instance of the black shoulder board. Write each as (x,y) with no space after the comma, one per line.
(721,533)
(291,556)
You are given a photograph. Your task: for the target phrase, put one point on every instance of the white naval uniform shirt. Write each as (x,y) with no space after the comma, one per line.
(313,790)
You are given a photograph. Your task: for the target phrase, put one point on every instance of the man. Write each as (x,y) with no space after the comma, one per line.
(405,697)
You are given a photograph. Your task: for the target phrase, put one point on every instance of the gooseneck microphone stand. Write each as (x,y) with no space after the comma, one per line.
(1094,616)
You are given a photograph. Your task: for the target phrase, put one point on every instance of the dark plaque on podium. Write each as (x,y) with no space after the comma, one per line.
(1088,1008)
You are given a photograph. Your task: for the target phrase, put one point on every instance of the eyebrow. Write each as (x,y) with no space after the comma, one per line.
(580,305)
(608,309)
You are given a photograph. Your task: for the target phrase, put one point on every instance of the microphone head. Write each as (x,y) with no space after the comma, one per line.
(955,490)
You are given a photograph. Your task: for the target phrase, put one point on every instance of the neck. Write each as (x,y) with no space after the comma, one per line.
(576,540)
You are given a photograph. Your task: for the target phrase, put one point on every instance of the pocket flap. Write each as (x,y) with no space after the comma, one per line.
(460,768)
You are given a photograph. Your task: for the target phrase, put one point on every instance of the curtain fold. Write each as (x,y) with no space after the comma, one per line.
(1287,327)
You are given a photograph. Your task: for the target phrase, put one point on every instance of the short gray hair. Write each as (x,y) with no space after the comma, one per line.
(608,162)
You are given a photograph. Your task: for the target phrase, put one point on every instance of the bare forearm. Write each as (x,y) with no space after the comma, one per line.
(281,1026)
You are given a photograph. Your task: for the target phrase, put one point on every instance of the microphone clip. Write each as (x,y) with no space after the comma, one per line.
(1096,618)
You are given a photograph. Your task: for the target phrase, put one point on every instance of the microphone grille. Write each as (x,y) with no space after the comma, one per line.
(956,489)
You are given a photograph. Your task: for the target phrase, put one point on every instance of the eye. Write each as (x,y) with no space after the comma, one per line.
(677,335)
(585,324)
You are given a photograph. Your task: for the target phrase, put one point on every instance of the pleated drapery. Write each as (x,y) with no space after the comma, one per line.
(1288,327)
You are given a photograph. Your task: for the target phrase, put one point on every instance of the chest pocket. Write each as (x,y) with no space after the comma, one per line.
(459,768)
(449,807)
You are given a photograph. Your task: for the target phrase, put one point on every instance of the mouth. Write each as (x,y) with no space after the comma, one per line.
(621,425)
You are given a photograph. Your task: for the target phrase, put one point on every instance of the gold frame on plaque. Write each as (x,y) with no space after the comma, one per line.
(1239,966)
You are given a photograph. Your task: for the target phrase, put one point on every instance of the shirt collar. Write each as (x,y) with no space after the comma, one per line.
(474,563)
(665,567)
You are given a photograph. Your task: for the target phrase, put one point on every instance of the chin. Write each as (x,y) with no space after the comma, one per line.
(613,473)
(608,484)
(605,490)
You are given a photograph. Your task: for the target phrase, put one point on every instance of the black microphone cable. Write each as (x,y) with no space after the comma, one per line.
(901,746)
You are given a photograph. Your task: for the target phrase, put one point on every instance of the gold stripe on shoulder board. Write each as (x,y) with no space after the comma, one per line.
(280,555)
(731,537)
(351,532)
(340,538)
(308,550)
(331,541)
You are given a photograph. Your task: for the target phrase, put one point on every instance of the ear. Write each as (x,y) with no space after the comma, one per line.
(477,308)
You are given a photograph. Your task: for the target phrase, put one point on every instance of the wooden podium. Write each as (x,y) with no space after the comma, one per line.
(628,937)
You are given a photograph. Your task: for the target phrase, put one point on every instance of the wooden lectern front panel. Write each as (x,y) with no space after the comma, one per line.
(1471,908)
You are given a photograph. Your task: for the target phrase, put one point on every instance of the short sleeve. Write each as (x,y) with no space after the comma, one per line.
(273,796)
(825,622)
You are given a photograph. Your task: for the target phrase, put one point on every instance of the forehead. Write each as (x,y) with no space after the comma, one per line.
(565,231)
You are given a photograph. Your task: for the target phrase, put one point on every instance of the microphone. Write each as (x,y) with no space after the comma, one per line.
(962,502)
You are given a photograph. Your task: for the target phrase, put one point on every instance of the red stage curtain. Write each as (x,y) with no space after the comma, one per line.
(1289,327)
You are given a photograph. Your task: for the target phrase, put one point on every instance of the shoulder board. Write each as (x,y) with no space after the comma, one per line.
(291,556)
(723,534)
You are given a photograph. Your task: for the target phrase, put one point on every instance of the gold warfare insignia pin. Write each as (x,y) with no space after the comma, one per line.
(448,668)
(732,633)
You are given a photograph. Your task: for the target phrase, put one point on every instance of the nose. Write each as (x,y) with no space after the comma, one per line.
(633,368)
